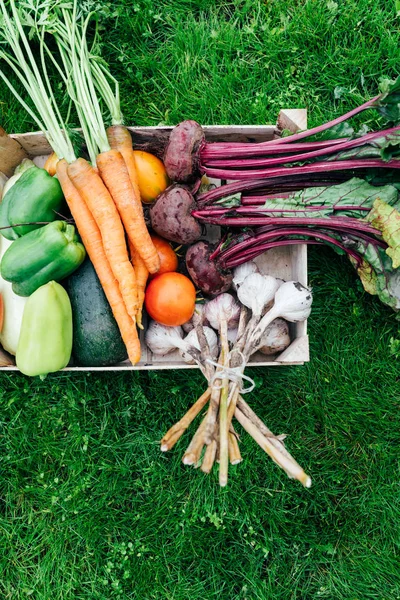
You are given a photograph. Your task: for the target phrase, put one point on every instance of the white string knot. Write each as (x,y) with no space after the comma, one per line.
(234,374)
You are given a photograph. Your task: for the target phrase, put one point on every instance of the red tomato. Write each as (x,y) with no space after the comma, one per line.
(168,258)
(170,299)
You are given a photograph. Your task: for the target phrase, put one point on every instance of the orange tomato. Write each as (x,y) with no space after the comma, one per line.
(170,299)
(168,258)
(152,176)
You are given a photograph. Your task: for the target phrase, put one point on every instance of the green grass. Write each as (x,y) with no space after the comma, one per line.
(89,507)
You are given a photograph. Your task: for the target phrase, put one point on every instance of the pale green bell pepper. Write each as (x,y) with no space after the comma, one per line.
(45,341)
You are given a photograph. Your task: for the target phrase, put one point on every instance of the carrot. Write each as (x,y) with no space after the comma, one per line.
(91,238)
(51,164)
(141,279)
(115,175)
(120,139)
(97,198)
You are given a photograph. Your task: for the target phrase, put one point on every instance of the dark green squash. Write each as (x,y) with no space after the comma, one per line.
(97,341)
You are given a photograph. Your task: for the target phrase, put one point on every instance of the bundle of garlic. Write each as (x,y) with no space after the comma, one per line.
(162,340)
(257,321)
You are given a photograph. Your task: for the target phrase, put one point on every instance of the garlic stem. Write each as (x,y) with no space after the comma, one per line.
(223,409)
(234,452)
(209,457)
(276,441)
(213,406)
(192,347)
(177,430)
(289,465)
(254,339)
(292,302)
(232,400)
(193,451)
(225,307)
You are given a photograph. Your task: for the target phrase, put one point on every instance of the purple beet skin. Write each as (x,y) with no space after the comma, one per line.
(205,273)
(171,216)
(182,155)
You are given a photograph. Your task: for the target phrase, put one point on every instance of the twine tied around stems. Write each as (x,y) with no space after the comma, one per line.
(234,374)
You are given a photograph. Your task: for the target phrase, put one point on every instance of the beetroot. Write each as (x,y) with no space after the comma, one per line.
(182,155)
(171,216)
(205,273)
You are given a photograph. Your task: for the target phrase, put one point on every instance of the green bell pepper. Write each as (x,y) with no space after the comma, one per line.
(35,197)
(50,253)
(45,341)
(23,166)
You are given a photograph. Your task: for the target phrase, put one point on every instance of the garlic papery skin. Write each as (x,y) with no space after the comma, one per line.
(162,339)
(223,307)
(292,302)
(198,318)
(232,335)
(275,338)
(257,291)
(241,272)
(191,341)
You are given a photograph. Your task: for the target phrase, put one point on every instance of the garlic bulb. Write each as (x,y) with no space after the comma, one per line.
(191,341)
(241,272)
(222,307)
(198,318)
(292,302)
(232,335)
(162,339)
(257,291)
(275,338)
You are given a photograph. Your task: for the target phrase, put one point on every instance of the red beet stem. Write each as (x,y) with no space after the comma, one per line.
(256,200)
(245,257)
(269,162)
(228,149)
(255,209)
(276,234)
(224,161)
(294,181)
(331,222)
(304,134)
(236,261)
(319,167)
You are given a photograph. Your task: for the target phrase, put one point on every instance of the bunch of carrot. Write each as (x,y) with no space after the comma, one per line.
(101,205)
(103,194)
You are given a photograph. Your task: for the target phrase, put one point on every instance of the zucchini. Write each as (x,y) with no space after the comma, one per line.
(97,341)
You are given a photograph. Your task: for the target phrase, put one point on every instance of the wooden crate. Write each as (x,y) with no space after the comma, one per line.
(289,263)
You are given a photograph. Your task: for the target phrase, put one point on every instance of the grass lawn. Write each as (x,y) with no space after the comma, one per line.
(89,507)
